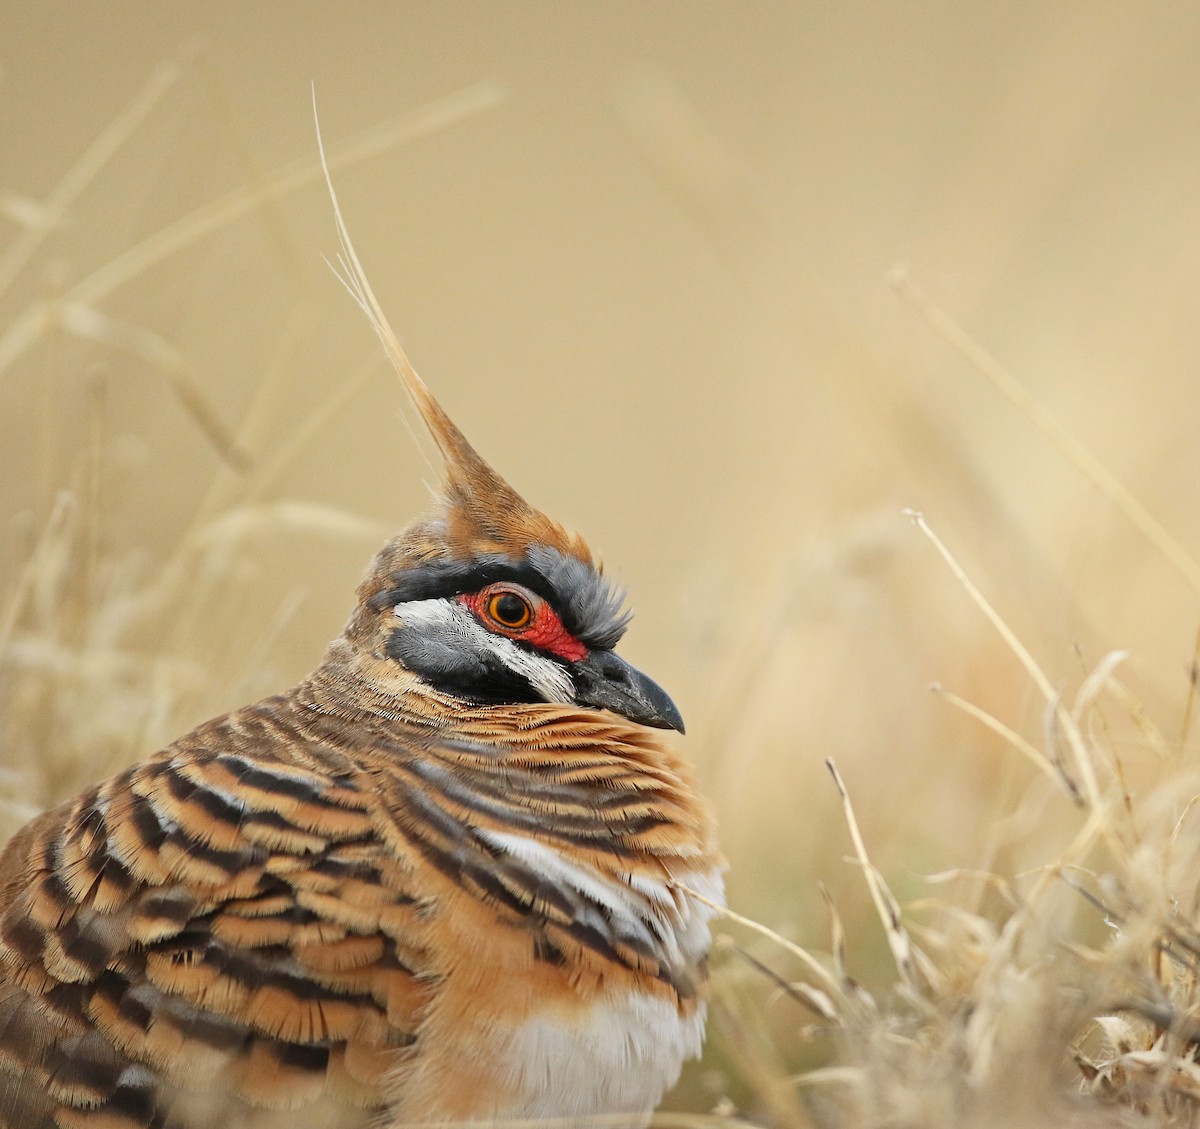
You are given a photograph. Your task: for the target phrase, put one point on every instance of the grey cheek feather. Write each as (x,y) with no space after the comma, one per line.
(442,639)
(436,643)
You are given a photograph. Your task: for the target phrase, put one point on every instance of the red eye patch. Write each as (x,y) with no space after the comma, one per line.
(543,629)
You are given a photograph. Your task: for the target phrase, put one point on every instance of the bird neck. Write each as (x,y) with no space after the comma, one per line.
(353,684)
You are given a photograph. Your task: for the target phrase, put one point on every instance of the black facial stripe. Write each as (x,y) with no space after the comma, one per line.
(465,674)
(443,579)
(589,607)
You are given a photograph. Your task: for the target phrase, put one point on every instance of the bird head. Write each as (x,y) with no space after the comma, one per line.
(488,600)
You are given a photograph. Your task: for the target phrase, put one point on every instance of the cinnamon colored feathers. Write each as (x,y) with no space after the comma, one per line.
(436,881)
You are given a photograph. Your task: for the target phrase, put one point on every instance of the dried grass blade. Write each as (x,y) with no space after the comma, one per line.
(886,905)
(35,567)
(1084,766)
(1092,468)
(1096,682)
(241,201)
(92,324)
(812,998)
(803,955)
(84,170)
(1031,752)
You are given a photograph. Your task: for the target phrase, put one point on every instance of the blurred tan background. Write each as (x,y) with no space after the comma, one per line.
(646,266)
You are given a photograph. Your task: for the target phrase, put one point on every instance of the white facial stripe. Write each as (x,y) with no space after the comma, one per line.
(449,617)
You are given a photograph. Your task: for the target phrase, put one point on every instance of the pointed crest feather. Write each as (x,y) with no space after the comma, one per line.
(483,512)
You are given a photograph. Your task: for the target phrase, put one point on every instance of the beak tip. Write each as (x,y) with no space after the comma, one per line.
(605,681)
(664,713)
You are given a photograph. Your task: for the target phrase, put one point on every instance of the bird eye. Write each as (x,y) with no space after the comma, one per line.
(509,609)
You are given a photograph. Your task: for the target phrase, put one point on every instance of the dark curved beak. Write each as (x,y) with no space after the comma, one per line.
(608,682)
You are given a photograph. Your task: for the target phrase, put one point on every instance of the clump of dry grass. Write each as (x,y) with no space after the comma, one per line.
(1063,991)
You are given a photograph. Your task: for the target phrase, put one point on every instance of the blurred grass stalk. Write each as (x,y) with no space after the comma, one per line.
(96,656)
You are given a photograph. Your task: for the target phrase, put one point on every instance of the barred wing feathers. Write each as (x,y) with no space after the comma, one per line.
(225,919)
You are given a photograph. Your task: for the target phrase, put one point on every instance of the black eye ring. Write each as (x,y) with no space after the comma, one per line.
(509,609)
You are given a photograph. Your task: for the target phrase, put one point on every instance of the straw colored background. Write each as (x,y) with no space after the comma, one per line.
(647,270)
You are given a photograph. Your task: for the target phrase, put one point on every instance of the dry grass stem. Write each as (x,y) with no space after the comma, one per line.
(1089,784)
(39,317)
(1028,750)
(1095,470)
(885,904)
(51,211)
(803,955)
